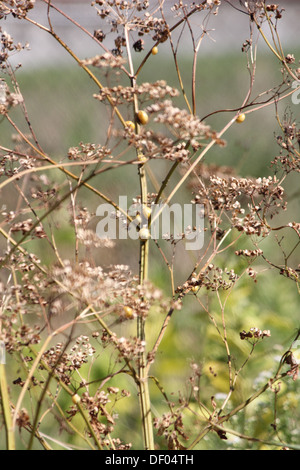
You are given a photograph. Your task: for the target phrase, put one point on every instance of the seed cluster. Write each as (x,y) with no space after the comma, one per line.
(244,200)
(147,91)
(76,313)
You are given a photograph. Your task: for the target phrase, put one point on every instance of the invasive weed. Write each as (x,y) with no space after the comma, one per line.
(85,340)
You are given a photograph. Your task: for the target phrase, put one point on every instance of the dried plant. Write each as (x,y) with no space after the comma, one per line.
(84,338)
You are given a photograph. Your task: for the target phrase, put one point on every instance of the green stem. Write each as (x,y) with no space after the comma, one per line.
(143,379)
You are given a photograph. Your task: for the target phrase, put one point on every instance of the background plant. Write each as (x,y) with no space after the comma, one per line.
(94,327)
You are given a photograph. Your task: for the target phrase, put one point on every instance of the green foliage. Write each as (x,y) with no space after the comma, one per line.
(102,341)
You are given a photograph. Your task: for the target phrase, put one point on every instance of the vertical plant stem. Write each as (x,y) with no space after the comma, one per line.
(143,380)
(142,372)
(10,438)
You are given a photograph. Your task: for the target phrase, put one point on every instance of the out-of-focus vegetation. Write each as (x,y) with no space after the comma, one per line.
(64,113)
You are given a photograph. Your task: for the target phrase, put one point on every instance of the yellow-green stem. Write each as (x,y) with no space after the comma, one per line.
(143,380)
(10,438)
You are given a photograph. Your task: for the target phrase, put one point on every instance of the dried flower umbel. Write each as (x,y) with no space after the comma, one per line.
(147,92)
(244,200)
(17,8)
(77,320)
(254,334)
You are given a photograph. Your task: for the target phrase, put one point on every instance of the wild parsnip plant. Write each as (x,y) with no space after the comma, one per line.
(86,342)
